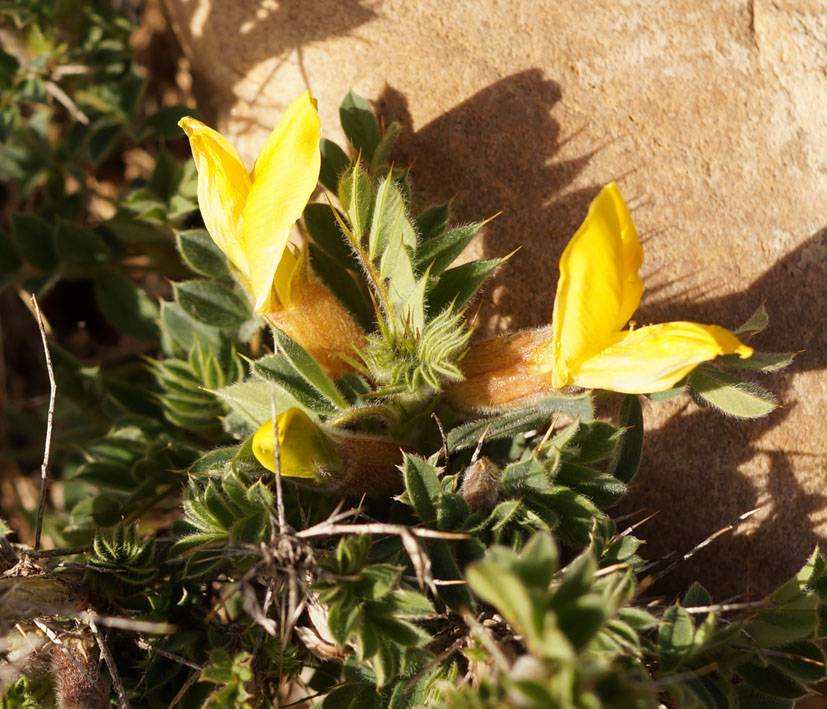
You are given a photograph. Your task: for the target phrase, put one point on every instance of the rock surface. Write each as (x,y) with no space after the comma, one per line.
(711,117)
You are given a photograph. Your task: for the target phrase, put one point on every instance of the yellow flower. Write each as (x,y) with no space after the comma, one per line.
(597,293)
(330,459)
(249,216)
(303,450)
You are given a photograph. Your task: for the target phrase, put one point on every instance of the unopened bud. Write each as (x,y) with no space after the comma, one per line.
(481,485)
(504,372)
(314,318)
(334,460)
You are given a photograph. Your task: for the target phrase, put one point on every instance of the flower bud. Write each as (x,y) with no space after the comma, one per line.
(481,485)
(313,316)
(503,372)
(338,461)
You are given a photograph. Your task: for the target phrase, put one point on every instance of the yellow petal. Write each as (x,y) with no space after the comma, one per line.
(656,357)
(223,187)
(599,288)
(302,446)
(286,272)
(284,177)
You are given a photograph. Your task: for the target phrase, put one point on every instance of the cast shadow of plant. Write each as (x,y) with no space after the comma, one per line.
(262,33)
(703,460)
(496,152)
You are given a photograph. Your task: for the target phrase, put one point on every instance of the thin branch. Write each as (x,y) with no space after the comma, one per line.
(711,538)
(66,101)
(442,436)
(191,680)
(64,551)
(144,645)
(277,456)
(139,626)
(47,446)
(324,529)
(110,665)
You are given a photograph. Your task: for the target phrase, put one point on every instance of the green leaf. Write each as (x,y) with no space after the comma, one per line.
(503,590)
(323,227)
(308,368)
(790,621)
(10,260)
(164,122)
(458,285)
(730,394)
(770,680)
(383,150)
(524,475)
(432,222)
(803,660)
(390,229)
(187,332)
(637,618)
(604,490)
(334,163)
(165,177)
(760,361)
(751,698)
(441,251)
(359,125)
(593,441)
(511,424)
(576,514)
(537,562)
(130,229)
(627,455)
(125,306)
(9,66)
(33,237)
(376,581)
(201,254)
(582,619)
(216,460)
(107,474)
(103,139)
(77,246)
(697,595)
(668,394)
(342,621)
(281,372)
(405,604)
(422,485)
(674,638)
(212,303)
(757,322)
(803,581)
(356,197)
(251,401)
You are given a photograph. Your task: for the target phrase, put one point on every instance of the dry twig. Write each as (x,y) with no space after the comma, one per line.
(110,665)
(47,445)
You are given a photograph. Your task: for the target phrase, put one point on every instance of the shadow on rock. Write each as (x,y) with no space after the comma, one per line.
(495,152)
(696,467)
(268,33)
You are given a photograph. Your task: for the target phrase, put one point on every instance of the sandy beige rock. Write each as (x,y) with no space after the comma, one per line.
(710,115)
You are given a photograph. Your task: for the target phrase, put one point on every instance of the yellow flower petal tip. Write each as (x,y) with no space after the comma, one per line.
(598,291)
(303,449)
(250,214)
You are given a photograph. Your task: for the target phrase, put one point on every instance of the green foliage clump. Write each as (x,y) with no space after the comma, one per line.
(495,576)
